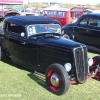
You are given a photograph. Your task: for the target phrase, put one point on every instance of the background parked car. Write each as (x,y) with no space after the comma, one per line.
(28,14)
(85,30)
(11,13)
(7,13)
(2,14)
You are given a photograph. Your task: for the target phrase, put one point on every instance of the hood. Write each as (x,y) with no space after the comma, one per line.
(68,25)
(60,42)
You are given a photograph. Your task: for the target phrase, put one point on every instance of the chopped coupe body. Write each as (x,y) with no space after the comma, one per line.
(35,42)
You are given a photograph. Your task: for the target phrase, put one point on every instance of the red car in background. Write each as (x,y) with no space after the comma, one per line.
(7,13)
(65,16)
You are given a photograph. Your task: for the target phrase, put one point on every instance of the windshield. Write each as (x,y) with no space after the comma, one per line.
(43,28)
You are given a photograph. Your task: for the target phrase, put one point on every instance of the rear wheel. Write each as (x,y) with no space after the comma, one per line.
(66,36)
(96,63)
(57,79)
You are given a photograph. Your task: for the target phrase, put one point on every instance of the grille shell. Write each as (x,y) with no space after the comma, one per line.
(81,64)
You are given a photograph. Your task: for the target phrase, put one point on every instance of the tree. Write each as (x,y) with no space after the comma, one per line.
(98,5)
(65,5)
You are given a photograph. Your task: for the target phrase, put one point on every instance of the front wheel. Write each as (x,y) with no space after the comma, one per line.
(96,63)
(57,79)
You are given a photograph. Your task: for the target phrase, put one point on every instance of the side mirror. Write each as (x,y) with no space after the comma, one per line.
(22,34)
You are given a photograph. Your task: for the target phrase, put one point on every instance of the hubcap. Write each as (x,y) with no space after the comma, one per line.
(54,80)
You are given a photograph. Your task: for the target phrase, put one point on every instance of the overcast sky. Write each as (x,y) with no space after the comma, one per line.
(93,2)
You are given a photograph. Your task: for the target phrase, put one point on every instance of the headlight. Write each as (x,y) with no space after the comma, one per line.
(90,61)
(68,66)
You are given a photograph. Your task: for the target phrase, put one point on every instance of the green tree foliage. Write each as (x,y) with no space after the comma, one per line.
(98,5)
(66,5)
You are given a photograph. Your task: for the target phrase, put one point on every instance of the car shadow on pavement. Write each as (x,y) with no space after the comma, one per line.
(10,62)
(40,79)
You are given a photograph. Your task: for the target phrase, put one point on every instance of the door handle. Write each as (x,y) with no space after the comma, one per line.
(23,43)
(87,30)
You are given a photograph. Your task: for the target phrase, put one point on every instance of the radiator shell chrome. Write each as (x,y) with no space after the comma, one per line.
(81,64)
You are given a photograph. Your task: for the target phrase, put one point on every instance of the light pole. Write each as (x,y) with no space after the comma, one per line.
(28,1)
(70,4)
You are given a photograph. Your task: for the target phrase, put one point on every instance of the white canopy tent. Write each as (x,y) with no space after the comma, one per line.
(54,7)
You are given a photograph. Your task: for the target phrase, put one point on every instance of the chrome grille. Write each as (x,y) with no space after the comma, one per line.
(81,63)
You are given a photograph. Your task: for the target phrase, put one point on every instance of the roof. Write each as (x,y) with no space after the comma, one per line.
(93,14)
(28,13)
(24,20)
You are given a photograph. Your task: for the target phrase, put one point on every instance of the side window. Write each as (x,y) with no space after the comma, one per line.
(93,22)
(83,22)
(61,14)
(15,28)
(3,25)
(98,23)
(73,14)
(52,13)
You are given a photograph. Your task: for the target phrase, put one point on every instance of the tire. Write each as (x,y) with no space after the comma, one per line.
(66,36)
(96,62)
(57,79)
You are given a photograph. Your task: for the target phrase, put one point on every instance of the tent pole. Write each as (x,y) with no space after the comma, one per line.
(3,10)
(23,7)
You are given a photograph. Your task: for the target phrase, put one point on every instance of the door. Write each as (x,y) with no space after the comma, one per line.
(88,31)
(61,17)
(93,32)
(23,51)
(80,31)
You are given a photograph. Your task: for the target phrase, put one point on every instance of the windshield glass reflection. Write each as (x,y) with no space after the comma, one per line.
(43,28)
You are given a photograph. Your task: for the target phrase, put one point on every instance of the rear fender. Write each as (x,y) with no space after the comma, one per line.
(70,33)
(3,47)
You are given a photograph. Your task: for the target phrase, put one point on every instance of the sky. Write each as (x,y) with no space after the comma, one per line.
(92,2)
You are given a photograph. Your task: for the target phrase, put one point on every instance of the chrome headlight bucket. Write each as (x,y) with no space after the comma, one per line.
(90,61)
(68,66)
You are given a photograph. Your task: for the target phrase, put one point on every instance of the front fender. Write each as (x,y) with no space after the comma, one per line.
(3,47)
(69,32)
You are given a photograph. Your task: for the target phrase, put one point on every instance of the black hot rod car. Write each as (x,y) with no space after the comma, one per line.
(35,42)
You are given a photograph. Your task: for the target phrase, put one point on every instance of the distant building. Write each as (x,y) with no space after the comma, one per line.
(43,2)
(40,1)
